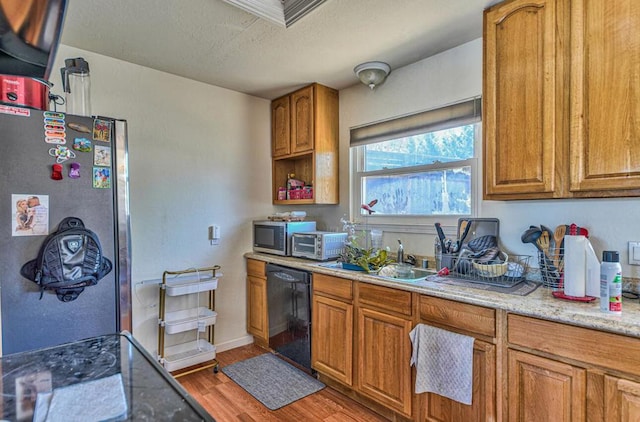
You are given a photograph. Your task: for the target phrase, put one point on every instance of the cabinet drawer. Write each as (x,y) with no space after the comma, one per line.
(385,298)
(472,318)
(608,350)
(256,268)
(333,286)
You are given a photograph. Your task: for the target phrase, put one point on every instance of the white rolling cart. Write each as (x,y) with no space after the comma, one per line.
(198,354)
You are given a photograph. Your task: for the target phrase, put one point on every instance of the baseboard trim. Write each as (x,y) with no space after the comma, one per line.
(232,344)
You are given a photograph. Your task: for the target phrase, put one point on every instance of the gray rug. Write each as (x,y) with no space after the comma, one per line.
(272,381)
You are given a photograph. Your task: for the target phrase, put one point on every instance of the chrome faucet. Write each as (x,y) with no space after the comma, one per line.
(400,258)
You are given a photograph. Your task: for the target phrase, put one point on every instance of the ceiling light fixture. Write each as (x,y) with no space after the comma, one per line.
(372,73)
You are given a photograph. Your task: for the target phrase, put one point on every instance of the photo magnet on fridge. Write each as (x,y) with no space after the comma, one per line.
(101,177)
(31,215)
(102,130)
(102,156)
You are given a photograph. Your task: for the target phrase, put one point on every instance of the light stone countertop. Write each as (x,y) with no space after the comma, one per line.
(538,304)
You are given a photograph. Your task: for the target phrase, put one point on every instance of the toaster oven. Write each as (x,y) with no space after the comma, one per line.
(320,246)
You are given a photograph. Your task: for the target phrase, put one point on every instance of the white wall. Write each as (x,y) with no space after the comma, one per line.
(198,155)
(449,77)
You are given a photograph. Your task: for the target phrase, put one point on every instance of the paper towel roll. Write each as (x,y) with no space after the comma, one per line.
(575,266)
(593,272)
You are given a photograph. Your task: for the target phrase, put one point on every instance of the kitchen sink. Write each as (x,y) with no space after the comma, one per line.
(388,272)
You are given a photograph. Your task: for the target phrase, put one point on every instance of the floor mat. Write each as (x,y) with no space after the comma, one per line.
(272,381)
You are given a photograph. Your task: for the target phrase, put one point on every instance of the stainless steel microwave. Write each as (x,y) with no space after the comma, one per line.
(274,237)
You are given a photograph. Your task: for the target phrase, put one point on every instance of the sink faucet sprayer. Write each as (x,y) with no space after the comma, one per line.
(400,258)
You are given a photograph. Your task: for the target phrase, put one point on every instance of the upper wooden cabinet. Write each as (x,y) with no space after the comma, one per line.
(560,96)
(304,127)
(605,97)
(523,100)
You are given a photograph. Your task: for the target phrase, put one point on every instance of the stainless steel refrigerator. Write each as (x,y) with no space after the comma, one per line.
(54,165)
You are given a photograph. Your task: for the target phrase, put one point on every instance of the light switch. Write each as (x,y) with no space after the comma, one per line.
(634,253)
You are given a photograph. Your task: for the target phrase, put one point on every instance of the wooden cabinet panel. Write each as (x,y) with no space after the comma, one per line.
(280,127)
(522,99)
(461,316)
(385,298)
(622,400)
(257,317)
(256,268)
(605,101)
(332,338)
(333,286)
(384,352)
(483,406)
(302,122)
(580,344)
(542,389)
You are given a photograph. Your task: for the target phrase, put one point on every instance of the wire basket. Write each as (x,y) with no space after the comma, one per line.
(551,264)
(501,273)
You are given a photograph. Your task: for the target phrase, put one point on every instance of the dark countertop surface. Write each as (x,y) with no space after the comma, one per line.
(538,304)
(144,391)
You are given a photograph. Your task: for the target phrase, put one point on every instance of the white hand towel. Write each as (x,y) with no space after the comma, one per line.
(444,362)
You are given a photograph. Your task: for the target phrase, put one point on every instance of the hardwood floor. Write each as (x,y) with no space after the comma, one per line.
(227,401)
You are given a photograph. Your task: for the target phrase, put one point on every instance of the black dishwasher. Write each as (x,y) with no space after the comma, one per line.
(289,304)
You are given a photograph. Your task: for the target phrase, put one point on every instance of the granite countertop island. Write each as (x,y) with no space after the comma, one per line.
(538,304)
(109,377)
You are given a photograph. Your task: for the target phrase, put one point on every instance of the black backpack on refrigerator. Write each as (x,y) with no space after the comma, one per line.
(69,260)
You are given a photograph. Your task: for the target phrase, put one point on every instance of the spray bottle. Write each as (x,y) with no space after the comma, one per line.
(611,283)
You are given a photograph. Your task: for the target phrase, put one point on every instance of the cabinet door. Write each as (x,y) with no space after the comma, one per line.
(332,338)
(384,352)
(302,122)
(622,400)
(280,127)
(605,100)
(483,406)
(522,102)
(257,317)
(542,389)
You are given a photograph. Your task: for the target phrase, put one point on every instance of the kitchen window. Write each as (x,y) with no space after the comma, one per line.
(417,169)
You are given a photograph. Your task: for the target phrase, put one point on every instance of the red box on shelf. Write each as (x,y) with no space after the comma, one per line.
(307,192)
(295,194)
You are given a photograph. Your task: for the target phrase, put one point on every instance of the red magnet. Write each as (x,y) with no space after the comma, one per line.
(56,173)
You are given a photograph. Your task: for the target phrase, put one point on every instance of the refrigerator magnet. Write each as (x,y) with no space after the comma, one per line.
(102,156)
(78,127)
(61,153)
(56,172)
(101,130)
(101,177)
(82,144)
(74,170)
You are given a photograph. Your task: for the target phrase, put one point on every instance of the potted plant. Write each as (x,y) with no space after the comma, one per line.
(361,259)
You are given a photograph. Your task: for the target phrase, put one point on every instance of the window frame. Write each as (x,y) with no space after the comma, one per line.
(413,223)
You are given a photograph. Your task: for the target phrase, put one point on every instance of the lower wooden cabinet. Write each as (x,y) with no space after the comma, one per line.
(542,389)
(257,316)
(472,320)
(332,327)
(564,373)
(483,406)
(621,399)
(384,321)
(332,338)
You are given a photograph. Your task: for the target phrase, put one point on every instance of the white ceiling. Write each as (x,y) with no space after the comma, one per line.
(216,43)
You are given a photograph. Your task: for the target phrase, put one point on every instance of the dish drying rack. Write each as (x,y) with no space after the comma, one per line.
(506,274)
(201,353)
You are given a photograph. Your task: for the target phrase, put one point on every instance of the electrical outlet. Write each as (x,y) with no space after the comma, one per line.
(634,253)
